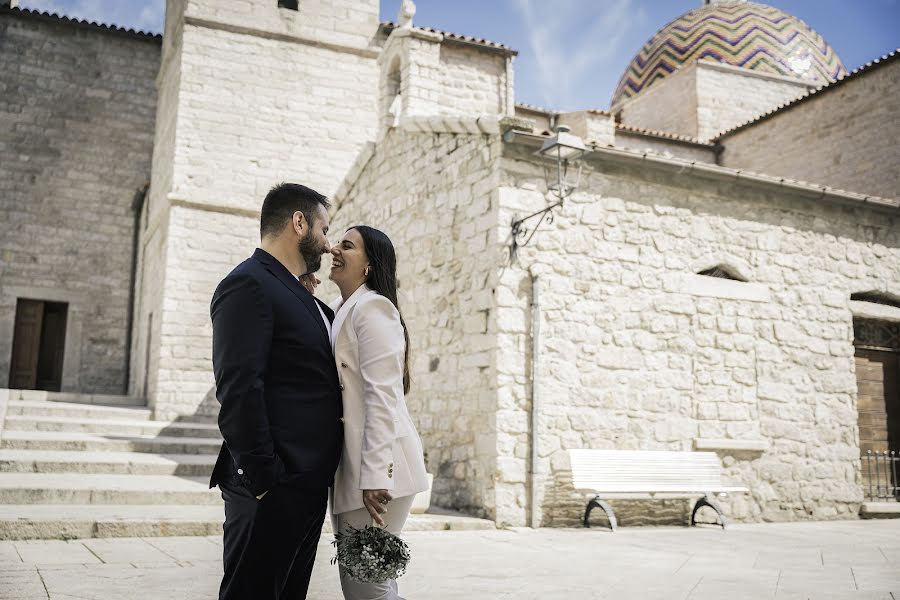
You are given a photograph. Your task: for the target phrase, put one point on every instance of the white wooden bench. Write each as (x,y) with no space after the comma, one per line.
(649,474)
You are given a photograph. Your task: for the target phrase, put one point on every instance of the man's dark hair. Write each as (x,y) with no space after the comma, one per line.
(284,200)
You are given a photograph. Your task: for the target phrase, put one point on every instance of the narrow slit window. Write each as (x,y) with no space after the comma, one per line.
(288,4)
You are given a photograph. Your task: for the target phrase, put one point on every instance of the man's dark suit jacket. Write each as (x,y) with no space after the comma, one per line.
(276,381)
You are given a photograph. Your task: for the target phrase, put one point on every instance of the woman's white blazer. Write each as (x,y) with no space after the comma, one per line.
(382,449)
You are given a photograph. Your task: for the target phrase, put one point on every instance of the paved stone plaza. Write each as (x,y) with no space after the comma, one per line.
(833,560)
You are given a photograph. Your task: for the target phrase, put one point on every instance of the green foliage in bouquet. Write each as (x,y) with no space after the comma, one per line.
(371,554)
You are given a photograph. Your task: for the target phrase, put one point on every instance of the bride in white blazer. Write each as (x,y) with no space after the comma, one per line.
(382,466)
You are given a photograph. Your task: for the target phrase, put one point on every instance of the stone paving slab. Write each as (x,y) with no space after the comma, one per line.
(45,552)
(128,551)
(521,564)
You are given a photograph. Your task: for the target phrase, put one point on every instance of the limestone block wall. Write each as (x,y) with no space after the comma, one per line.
(77,108)
(253,111)
(640,352)
(473,81)
(434,193)
(669,105)
(438,76)
(843,136)
(154,221)
(591,126)
(351,23)
(255,95)
(728,96)
(705,98)
(631,140)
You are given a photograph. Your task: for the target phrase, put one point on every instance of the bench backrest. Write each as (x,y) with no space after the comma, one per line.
(645,471)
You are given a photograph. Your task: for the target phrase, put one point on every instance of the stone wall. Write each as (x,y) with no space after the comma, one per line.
(728,96)
(703,98)
(638,351)
(669,105)
(259,95)
(656,144)
(434,194)
(438,76)
(844,136)
(77,107)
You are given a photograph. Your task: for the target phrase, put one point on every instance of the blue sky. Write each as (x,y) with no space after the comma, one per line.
(570,57)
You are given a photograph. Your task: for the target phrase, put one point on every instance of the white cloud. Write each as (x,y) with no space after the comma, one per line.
(574,41)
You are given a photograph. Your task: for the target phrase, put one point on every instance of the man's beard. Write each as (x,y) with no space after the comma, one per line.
(310,253)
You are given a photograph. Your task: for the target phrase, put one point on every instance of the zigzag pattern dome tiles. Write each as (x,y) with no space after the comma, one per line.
(743,34)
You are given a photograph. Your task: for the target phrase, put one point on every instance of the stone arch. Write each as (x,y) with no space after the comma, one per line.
(877,297)
(391,92)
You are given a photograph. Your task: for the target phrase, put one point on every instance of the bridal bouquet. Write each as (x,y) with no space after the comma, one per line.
(371,554)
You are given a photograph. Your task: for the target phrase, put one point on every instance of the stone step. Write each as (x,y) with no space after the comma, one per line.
(103,399)
(880,510)
(80,488)
(22,522)
(54,522)
(135,463)
(43,408)
(73,441)
(117,427)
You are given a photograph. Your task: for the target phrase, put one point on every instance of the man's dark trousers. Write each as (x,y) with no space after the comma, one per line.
(270,544)
(280,415)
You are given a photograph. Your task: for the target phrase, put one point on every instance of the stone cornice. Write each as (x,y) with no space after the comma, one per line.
(715,172)
(278,36)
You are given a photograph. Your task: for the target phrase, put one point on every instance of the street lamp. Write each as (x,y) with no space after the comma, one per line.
(562,175)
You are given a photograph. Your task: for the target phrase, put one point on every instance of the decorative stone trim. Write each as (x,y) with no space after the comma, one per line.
(735,445)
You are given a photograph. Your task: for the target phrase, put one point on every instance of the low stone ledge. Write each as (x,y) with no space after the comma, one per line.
(880,510)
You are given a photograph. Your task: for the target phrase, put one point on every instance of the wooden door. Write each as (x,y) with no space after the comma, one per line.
(39,340)
(53,341)
(26,344)
(878,384)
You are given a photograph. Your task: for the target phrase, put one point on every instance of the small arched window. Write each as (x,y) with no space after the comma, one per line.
(722,272)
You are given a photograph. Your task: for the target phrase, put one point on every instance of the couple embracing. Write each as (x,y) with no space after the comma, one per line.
(312,400)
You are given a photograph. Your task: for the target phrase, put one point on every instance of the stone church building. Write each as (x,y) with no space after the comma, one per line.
(726,276)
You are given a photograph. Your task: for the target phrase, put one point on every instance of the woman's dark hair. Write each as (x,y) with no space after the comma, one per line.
(383,278)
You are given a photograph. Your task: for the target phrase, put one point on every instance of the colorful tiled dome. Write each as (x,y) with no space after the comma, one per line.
(744,34)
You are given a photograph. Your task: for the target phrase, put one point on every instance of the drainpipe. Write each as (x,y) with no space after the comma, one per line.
(137,206)
(535,398)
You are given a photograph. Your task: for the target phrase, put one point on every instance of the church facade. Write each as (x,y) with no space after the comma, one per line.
(725,278)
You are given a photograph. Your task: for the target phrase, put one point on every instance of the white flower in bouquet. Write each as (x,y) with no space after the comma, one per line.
(371,554)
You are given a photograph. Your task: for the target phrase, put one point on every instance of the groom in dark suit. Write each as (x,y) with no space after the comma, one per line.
(280,401)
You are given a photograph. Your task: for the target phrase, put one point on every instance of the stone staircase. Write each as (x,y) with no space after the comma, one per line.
(97,466)
(73,470)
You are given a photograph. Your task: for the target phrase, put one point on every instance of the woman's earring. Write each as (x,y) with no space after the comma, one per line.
(366,272)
